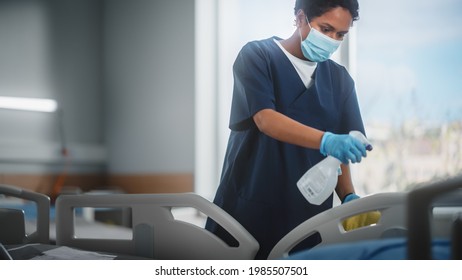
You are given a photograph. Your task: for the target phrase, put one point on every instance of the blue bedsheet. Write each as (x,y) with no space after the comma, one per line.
(381,249)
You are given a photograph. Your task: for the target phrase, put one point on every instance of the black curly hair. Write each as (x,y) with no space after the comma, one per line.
(316,8)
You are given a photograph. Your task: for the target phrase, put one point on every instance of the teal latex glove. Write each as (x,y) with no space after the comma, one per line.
(343,147)
(350,197)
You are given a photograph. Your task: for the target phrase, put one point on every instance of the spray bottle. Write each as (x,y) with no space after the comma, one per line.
(319,182)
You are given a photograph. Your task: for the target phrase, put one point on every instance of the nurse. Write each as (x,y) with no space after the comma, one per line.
(292,106)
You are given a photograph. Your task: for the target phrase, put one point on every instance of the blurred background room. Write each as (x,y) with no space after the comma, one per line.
(135,95)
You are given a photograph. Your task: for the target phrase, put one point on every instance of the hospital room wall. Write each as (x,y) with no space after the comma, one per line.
(149,68)
(122,72)
(51,49)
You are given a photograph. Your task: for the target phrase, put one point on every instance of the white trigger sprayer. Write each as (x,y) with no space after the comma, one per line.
(319,182)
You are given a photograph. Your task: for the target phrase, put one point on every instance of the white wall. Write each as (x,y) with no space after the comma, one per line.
(51,49)
(149,85)
(123,72)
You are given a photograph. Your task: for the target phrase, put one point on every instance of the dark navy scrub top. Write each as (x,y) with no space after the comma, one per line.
(258,182)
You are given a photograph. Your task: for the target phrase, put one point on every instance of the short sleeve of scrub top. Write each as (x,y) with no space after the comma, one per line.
(253,86)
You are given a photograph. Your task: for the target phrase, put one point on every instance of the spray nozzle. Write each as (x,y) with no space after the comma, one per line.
(359,136)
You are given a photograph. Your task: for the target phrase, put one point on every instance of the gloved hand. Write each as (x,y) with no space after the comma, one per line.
(350,197)
(361,220)
(343,147)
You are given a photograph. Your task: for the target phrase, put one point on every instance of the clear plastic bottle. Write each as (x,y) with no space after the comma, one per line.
(319,182)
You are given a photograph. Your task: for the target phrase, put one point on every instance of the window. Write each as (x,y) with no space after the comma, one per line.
(408,79)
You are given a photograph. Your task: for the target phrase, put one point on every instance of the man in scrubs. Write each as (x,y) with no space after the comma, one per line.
(292,106)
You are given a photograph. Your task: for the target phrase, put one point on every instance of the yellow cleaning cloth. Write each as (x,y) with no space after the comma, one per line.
(361,220)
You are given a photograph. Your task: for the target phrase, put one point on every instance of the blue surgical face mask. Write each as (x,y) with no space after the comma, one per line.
(317,46)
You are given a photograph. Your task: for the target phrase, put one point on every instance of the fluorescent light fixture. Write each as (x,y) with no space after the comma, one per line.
(28,104)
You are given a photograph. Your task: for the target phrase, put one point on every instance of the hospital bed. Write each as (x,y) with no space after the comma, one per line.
(329,224)
(407,220)
(425,223)
(155,233)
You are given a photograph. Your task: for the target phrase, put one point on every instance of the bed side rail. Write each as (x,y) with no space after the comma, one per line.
(329,223)
(42,232)
(419,213)
(156,233)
